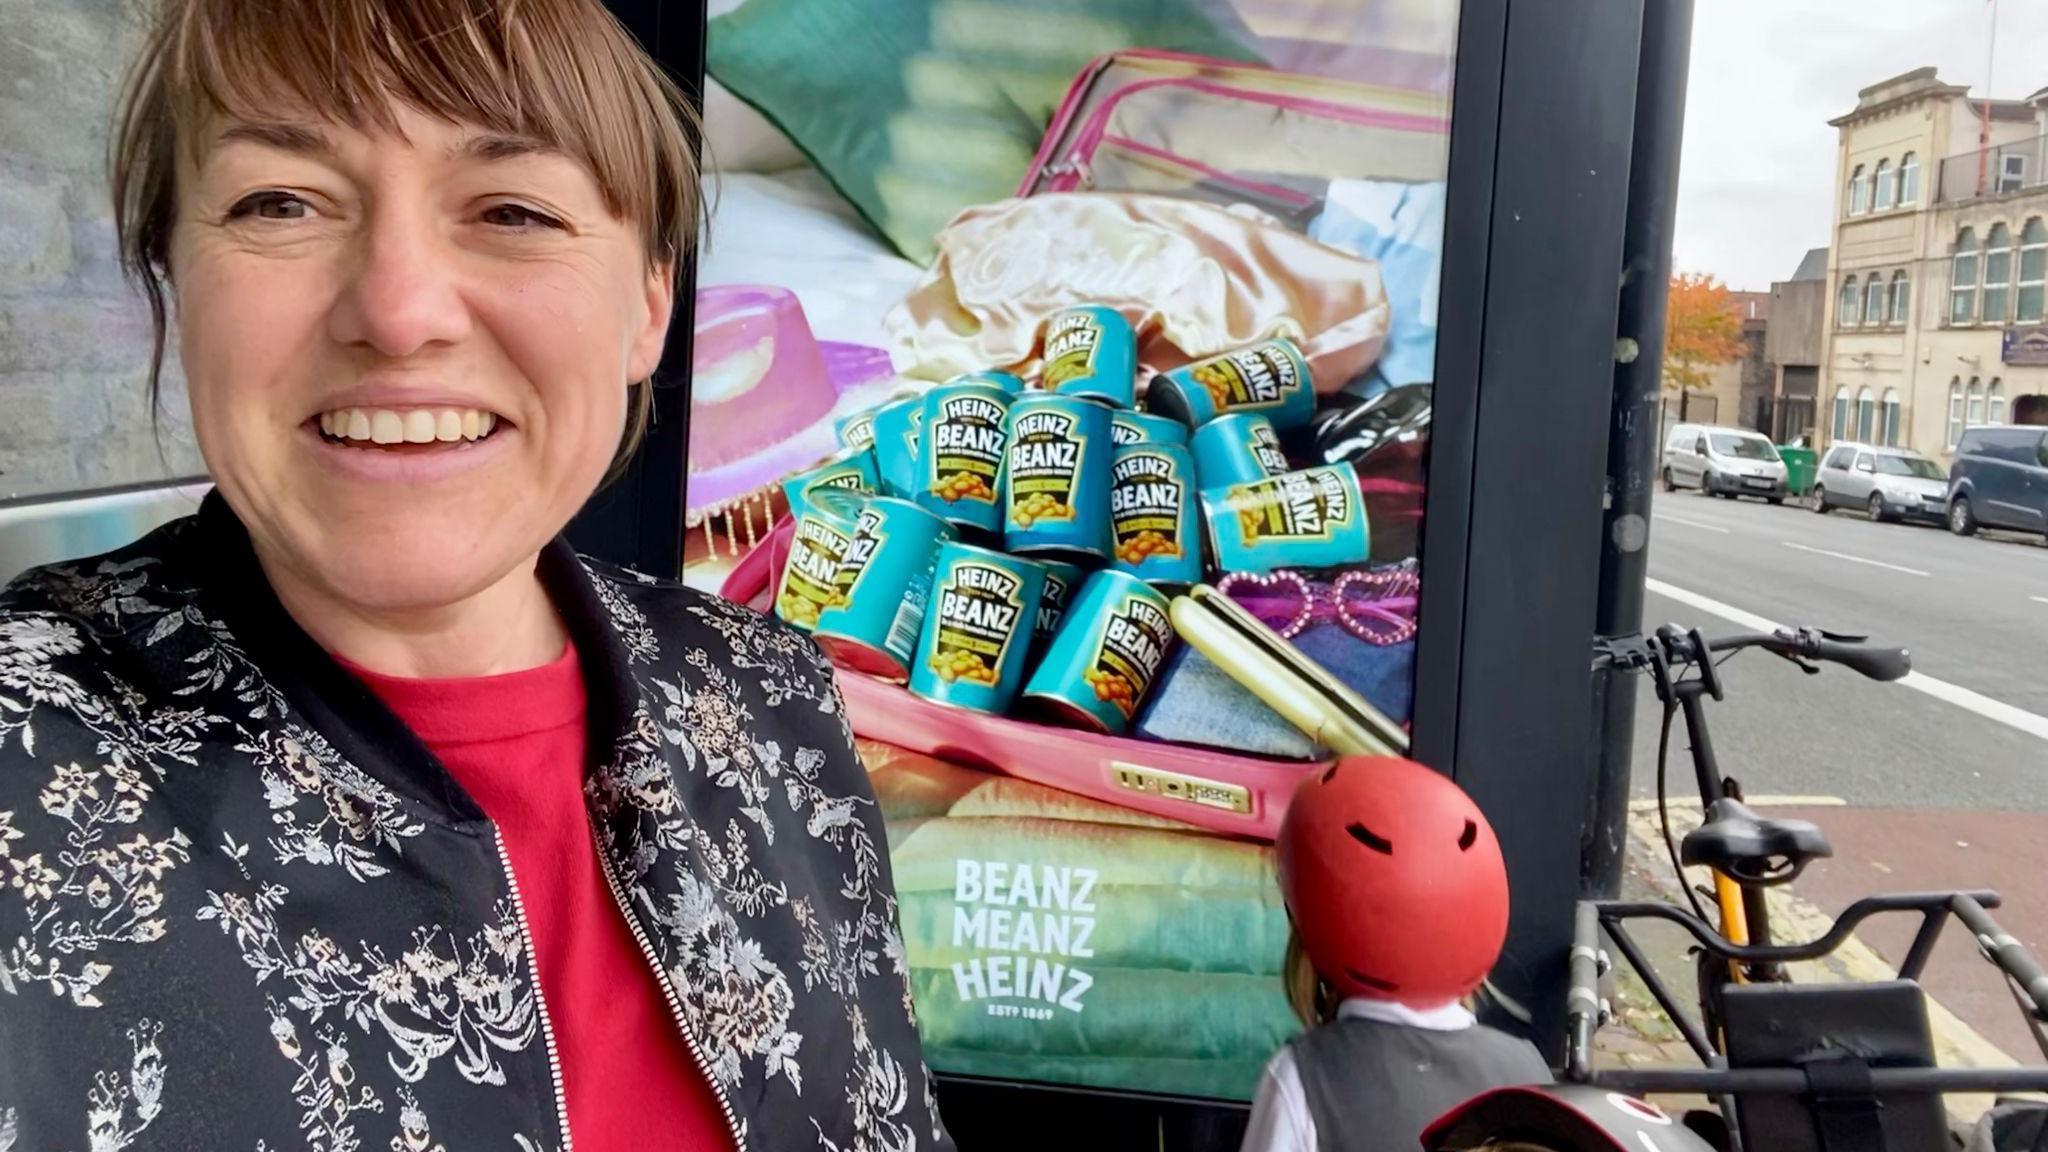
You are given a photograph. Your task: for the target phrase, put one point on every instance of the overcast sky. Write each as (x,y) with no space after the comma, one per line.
(1767,75)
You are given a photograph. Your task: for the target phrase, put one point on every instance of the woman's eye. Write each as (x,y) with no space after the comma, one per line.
(270,206)
(518,216)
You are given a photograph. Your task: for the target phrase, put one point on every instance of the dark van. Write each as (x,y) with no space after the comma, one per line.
(2000,480)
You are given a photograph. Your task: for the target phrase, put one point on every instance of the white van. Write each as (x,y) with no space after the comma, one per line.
(1721,461)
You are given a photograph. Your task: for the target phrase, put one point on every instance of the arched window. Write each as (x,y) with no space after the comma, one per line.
(1881,185)
(1856,200)
(1902,296)
(1866,412)
(1974,397)
(1909,179)
(1997,275)
(1840,425)
(1888,418)
(1849,309)
(2033,270)
(1994,402)
(1962,292)
(1955,411)
(1873,300)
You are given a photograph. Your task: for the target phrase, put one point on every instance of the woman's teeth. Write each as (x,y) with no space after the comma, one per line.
(407,426)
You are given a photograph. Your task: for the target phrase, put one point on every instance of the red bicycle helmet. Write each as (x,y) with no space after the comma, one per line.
(1566,1117)
(1395,882)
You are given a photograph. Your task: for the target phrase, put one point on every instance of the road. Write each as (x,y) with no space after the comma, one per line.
(1940,782)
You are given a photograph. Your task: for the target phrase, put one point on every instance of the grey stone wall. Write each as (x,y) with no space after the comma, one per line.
(74,337)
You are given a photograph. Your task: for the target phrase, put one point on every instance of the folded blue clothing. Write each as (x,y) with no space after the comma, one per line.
(1401,225)
(1195,702)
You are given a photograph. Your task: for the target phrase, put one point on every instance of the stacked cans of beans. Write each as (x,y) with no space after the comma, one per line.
(1005,547)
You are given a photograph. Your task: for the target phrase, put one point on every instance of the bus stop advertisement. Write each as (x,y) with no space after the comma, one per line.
(1033,346)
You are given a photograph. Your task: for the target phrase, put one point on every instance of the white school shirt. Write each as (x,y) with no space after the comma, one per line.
(1280,1116)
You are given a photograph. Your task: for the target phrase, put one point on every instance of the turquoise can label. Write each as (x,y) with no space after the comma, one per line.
(1133,645)
(1268,378)
(1152,514)
(961,454)
(880,586)
(1056,478)
(1313,518)
(1105,655)
(1090,351)
(984,605)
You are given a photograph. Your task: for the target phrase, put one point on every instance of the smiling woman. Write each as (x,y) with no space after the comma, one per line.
(357,802)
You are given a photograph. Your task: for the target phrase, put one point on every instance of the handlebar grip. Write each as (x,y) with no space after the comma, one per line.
(2001,949)
(1876,663)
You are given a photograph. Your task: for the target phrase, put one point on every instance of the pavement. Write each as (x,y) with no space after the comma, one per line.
(1937,782)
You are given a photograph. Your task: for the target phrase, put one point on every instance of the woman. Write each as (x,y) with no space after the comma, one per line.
(356,811)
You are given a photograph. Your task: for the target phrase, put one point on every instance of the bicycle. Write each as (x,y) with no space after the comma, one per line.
(1791,1067)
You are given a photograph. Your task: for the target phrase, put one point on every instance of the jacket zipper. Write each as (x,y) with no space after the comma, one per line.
(675,1002)
(547,1028)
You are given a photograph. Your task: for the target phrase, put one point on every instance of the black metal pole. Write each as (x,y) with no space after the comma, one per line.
(1633,442)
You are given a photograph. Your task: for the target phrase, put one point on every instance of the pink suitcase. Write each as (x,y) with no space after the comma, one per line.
(1216,791)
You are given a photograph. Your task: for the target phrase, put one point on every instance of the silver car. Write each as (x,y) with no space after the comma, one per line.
(1722,461)
(1888,483)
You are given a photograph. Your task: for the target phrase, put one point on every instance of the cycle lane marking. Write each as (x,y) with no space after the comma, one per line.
(1689,523)
(1853,559)
(1974,702)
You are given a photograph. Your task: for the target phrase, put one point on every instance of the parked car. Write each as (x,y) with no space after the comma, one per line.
(1721,461)
(1888,483)
(2000,480)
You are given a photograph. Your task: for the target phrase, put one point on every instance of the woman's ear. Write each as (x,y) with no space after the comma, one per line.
(660,299)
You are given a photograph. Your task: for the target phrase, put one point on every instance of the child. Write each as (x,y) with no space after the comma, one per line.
(1399,899)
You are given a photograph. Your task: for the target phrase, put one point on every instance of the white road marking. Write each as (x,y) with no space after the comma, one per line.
(1982,705)
(1687,523)
(1853,559)
(2039,599)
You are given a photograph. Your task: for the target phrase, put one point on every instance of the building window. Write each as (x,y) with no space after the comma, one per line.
(1909,179)
(1955,411)
(1865,412)
(1997,275)
(1881,185)
(1962,293)
(1889,418)
(1873,300)
(1856,201)
(2012,173)
(1902,297)
(1975,398)
(1849,308)
(2033,270)
(1840,427)
(1994,404)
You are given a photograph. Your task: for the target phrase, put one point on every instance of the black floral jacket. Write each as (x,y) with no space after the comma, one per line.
(242,907)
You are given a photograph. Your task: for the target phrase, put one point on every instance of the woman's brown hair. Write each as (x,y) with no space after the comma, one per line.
(563,73)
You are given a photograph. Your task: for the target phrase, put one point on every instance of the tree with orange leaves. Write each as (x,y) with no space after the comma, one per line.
(1701,329)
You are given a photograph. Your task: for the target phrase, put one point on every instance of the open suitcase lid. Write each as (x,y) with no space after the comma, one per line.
(1173,123)
(1208,789)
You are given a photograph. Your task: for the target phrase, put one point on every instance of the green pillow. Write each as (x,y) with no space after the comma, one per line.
(916,109)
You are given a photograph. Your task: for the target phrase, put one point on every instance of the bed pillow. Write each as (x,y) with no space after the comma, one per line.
(916,109)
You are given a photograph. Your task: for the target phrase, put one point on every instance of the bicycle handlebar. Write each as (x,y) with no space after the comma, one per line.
(2001,949)
(1796,643)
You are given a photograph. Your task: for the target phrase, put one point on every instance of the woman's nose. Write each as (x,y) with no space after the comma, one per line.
(401,293)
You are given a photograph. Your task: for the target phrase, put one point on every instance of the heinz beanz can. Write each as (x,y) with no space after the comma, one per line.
(960,455)
(1237,449)
(895,445)
(977,630)
(1102,662)
(1269,378)
(1314,518)
(1061,582)
(852,470)
(880,588)
(857,432)
(1152,515)
(1056,478)
(1129,426)
(1089,351)
(823,526)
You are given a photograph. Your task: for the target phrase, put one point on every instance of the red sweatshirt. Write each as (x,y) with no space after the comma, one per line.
(516,743)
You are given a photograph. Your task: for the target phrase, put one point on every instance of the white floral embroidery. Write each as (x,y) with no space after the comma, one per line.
(355,815)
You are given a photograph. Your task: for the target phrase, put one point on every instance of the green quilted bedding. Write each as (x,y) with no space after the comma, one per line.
(1058,939)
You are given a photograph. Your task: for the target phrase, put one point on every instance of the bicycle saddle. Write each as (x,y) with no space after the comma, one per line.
(1750,848)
